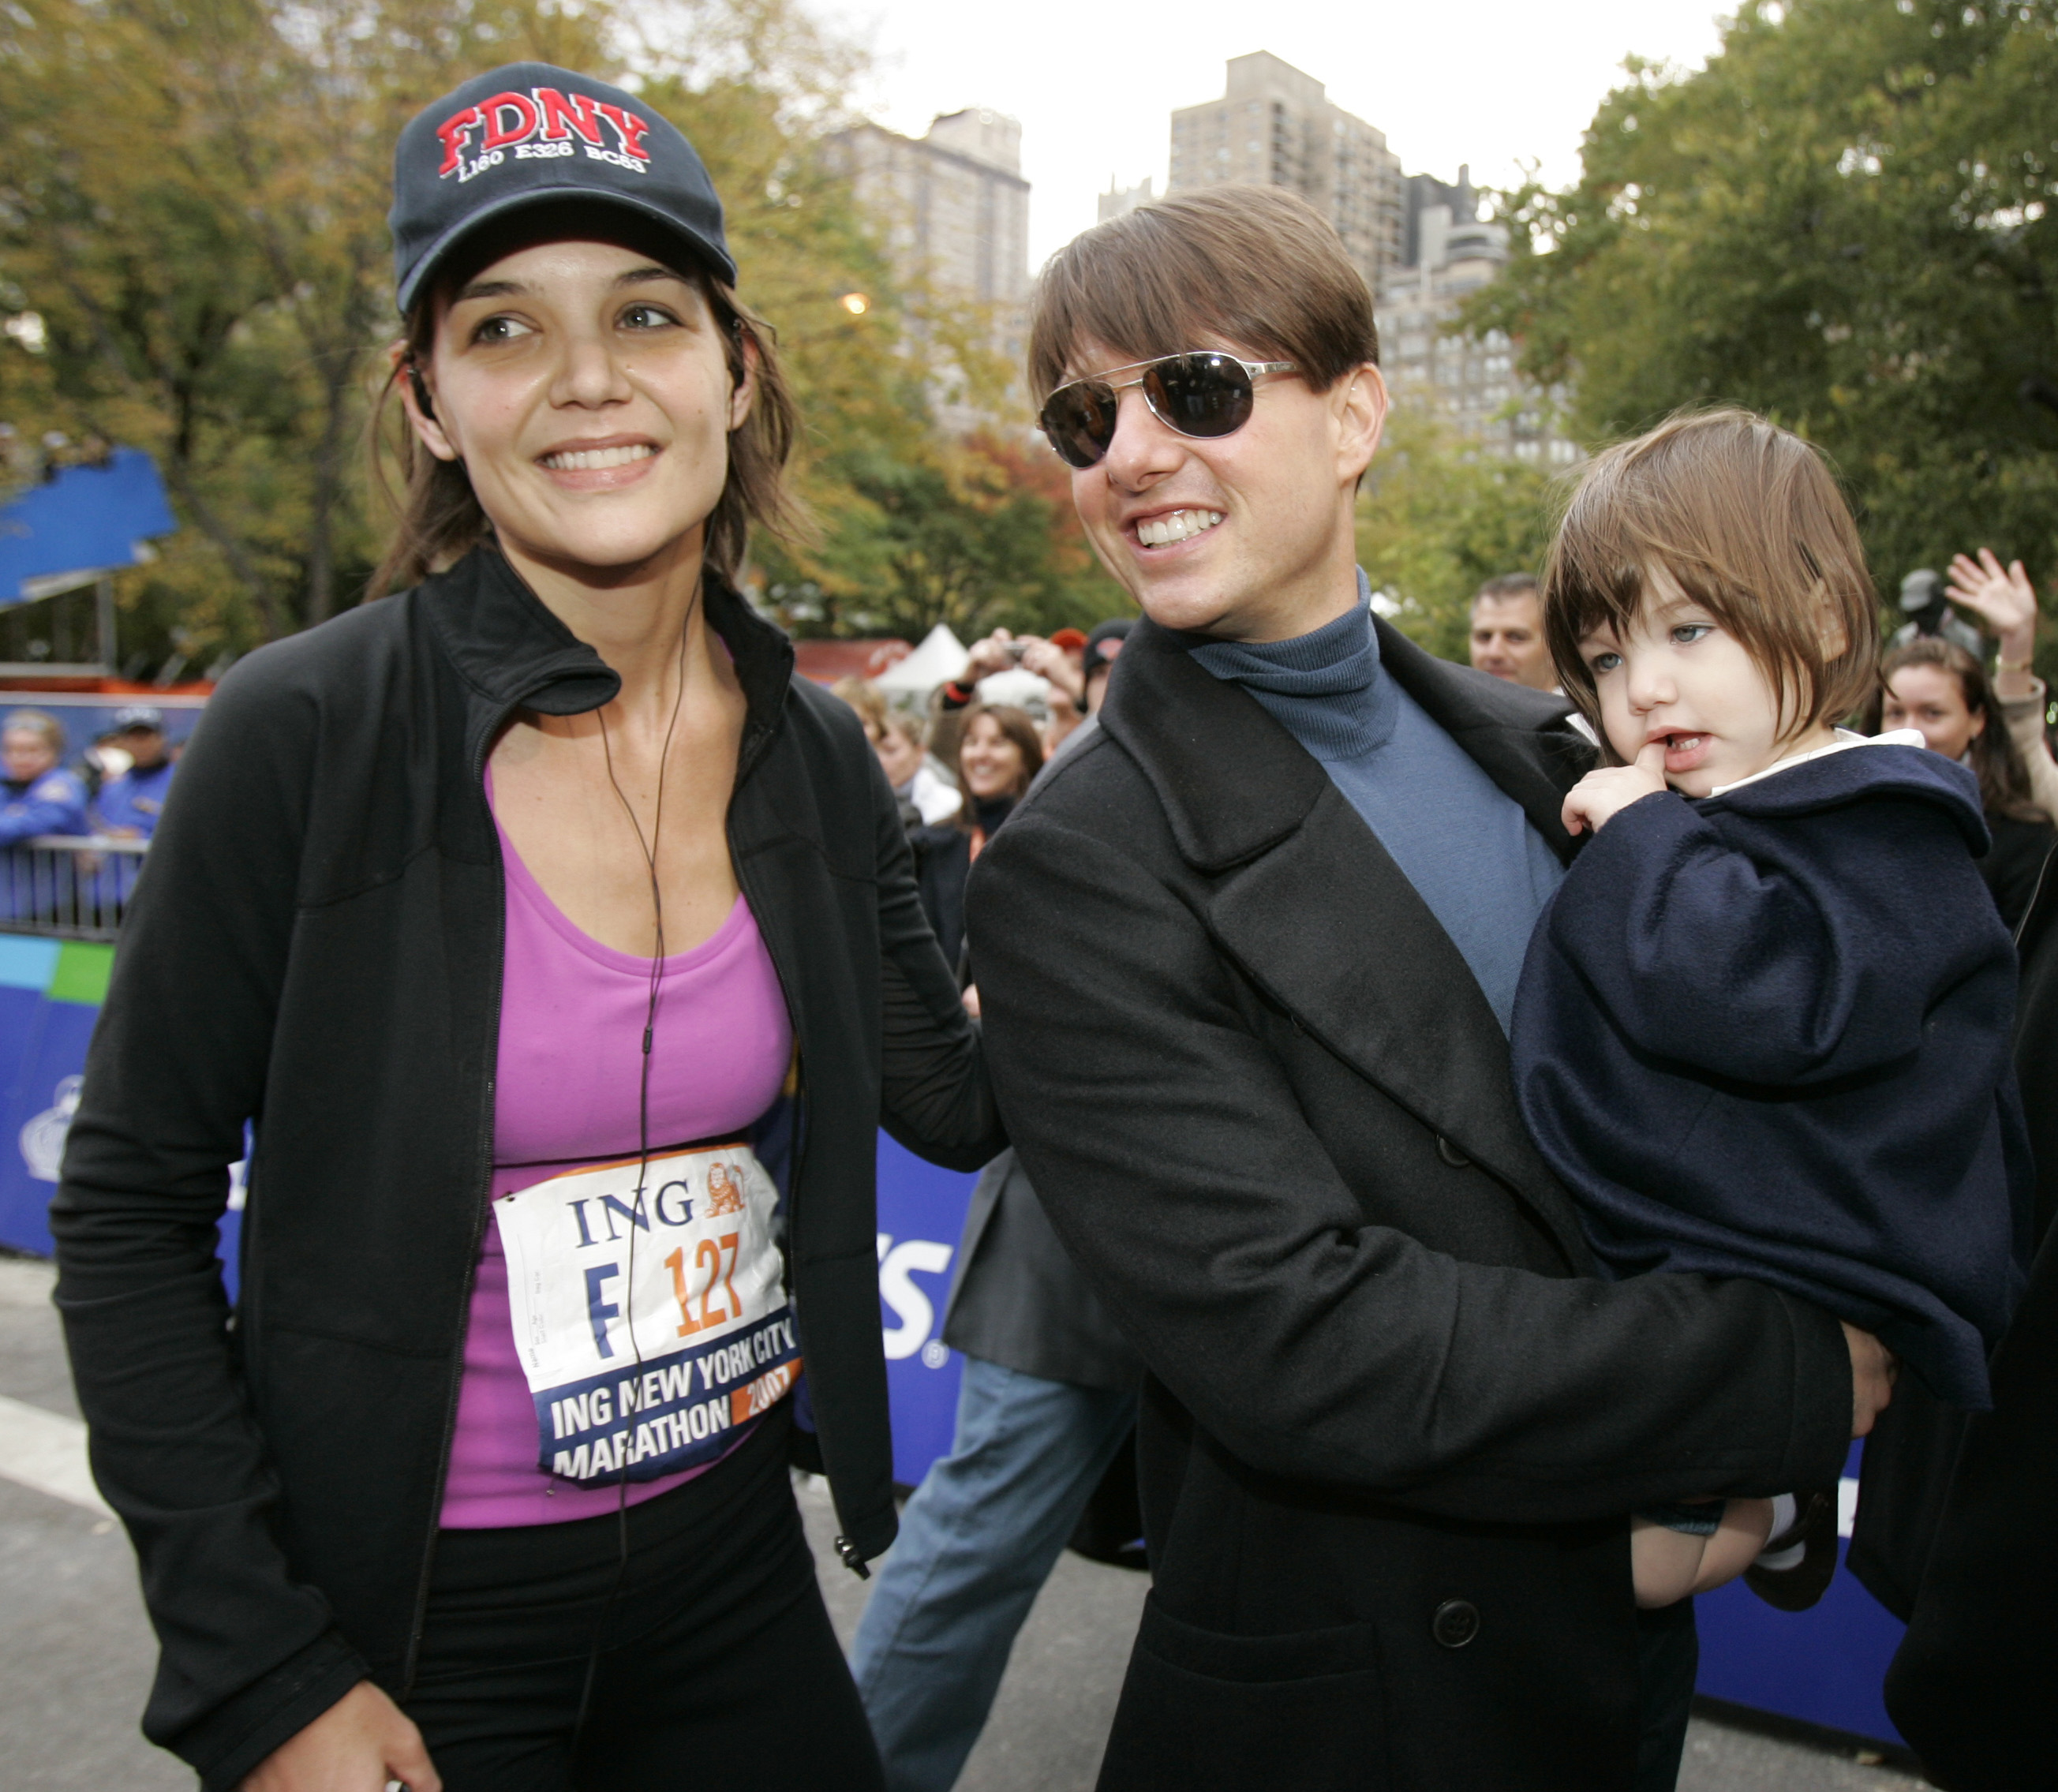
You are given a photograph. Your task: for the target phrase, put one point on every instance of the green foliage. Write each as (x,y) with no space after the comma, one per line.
(1841,222)
(1437,518)
(975,534)
(192,198)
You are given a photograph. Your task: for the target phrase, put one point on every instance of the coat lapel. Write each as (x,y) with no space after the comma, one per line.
(1307,903)
(1519,738)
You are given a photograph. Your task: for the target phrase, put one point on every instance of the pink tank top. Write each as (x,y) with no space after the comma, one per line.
(571,1030)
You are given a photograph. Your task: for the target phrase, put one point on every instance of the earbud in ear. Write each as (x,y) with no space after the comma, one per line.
(421,392)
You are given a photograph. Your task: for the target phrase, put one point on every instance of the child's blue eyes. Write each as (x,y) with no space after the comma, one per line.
(1683,634)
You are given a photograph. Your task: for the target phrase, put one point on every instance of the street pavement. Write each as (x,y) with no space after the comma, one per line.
(76,1650)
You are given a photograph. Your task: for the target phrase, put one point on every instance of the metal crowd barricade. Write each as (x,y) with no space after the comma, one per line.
(69,887)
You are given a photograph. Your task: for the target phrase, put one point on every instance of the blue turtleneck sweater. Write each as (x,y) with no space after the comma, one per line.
(1464,844)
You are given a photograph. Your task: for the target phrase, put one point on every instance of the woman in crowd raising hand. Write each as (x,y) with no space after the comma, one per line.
(564,951)
(2006,602)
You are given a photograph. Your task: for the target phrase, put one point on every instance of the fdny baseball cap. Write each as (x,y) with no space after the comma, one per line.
(529,135)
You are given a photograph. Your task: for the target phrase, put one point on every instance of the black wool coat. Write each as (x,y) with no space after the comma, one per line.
(1767,1034)
(317,946)
(1971,1686)
(1393,1424)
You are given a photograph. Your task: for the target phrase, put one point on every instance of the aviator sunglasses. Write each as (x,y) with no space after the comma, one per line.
(1200,393)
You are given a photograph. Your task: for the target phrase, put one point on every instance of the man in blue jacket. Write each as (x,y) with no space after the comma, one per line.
(131,802)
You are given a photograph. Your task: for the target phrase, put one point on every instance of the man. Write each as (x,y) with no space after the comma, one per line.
(131,801)
(1508,633)
(1247,959)
(1047,1401)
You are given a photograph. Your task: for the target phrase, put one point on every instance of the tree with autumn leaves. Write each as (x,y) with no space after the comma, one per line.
(192,202)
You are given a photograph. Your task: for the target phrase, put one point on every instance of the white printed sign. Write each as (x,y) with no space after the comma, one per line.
(650,1320)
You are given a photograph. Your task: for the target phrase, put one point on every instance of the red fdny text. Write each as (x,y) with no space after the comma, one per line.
(538,125)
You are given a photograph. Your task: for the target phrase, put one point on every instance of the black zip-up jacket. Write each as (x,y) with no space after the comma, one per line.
(317,947)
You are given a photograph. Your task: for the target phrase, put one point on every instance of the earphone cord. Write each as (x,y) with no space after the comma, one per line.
(649,848)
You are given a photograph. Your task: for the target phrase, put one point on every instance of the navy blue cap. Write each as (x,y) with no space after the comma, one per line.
(530,134)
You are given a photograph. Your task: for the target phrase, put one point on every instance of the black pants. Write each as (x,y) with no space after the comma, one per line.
(1669,1656)
(716,1664)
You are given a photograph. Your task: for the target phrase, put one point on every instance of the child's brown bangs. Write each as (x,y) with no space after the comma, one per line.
(1747,519)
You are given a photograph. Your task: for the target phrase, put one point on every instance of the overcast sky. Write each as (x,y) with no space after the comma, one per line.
(1491,82)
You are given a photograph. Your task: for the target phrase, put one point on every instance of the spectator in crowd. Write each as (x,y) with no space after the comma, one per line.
(999,753)
(1063,719)
(1247,960)
(926,794)
(1047,1404)
(2006,601)
(1096,662)
(864,697)
(920,784)
(130,802)
(1057,659)
(1506,638)
(1103,648)
(1934,686)
(41,796)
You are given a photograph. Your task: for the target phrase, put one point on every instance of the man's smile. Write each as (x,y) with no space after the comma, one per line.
(1170,528)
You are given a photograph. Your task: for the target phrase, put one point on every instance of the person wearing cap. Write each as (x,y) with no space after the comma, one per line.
(130,802)
(563,949)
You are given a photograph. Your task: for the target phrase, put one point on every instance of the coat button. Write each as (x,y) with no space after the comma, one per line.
(1450,1154)
(1456,1624)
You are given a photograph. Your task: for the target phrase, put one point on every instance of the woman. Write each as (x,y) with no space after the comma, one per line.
(507,909)
(41,797)
(1936,686)
(999,753)
(2003,599)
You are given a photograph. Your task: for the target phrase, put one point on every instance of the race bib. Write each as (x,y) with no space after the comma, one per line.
(650,1321)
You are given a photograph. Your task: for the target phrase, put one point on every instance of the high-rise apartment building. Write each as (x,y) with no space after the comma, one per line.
(953,209)
(1275,126)
(1470,383)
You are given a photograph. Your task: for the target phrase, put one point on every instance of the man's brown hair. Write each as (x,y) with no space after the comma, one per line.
(1748,519)
(1254,267)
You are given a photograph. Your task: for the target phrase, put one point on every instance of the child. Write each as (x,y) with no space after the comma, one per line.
(1763,1029)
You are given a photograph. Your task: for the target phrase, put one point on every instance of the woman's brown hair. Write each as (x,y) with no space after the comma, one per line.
(1749,520)
(1019,726)
(2003,779)
(439,519)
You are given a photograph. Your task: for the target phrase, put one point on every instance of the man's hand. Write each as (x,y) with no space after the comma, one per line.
(1595,798)
(1872,1370)
(361,1743)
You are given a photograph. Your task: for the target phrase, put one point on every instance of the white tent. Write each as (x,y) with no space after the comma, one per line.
(941,658)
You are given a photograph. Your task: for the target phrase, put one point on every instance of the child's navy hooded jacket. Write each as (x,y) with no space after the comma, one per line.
(1766,1034)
